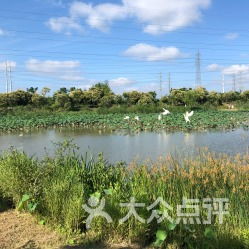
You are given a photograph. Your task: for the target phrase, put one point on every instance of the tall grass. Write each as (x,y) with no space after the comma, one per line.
(62,184)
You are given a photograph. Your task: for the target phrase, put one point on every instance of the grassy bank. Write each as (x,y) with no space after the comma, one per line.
(175,121)
(54,189)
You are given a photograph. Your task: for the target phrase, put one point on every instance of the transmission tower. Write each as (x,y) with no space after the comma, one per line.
(223,83)
(169,82)
(160,84)
(234,82)
(198,69)
(8,77)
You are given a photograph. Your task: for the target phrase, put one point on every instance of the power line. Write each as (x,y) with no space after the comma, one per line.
(129,39)
(198,69)
(103,19)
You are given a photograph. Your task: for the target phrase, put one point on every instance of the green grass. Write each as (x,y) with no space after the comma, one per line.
(55,188)
(175,121)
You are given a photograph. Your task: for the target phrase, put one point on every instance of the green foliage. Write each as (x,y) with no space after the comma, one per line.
(160,238)
(27,204)
(101,95)
(62,101)
(230,96)
(32,90)
(18,98)
(113,118)
(38,100)
(56,187)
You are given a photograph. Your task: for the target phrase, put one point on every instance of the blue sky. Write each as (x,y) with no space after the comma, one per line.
(57,43)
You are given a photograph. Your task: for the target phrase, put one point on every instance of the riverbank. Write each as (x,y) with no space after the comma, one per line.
(20,230)
(201,120)
(56,189)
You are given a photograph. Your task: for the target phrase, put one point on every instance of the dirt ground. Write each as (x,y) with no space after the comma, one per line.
(22,231)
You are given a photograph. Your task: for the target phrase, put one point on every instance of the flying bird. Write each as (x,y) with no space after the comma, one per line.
(187,115)
(166,112)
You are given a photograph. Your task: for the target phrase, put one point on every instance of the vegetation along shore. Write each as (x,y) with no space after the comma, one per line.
(99,107)
(54,190)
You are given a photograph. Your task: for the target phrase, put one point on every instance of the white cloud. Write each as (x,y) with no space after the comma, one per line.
(9,63)
(63,24)
(214,67)
(100,16)
(160,16)
(120,82)
(231,36)
(236,69)
(65,70)
(157,16)
(148,52)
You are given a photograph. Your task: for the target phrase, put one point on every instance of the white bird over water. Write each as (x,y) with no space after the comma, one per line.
(166,112)
(126,118)
(137,118)
(187,115)
(160,117)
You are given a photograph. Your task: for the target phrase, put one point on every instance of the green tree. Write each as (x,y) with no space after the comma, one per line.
(45,91)
(38,100)
(230,96)
(132,98)
(62,101)
(32,89)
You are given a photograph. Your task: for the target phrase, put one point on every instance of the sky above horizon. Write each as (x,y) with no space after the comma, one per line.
(59,43)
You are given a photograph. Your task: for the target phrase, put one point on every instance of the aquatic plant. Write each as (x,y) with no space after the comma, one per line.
(174,121)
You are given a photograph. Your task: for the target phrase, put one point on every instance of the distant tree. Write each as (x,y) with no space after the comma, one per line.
(146,99)
(132,98)
(245,95)
(44,91)
(32,90)
(107,101)
(19,97)
(72,89)
(214,98)
(38,100)
(153,94)
(104,88)
(63,90)
(62,101)
(230,96)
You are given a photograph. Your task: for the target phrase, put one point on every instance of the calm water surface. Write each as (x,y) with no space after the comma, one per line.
(126,147)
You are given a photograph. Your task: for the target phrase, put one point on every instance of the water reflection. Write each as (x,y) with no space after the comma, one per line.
(126,147)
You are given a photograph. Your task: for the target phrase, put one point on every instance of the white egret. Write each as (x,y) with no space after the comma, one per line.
(160,117)
(187,115)
(165,112)
(126,118)
(137,118)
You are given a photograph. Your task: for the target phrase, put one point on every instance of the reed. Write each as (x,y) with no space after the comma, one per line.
(56,188)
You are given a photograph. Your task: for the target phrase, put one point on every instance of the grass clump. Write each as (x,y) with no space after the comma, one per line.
(58,187)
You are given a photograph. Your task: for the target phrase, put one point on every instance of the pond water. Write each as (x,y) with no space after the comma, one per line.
(127,147)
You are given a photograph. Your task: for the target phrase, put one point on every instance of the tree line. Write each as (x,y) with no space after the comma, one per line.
(101,95)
